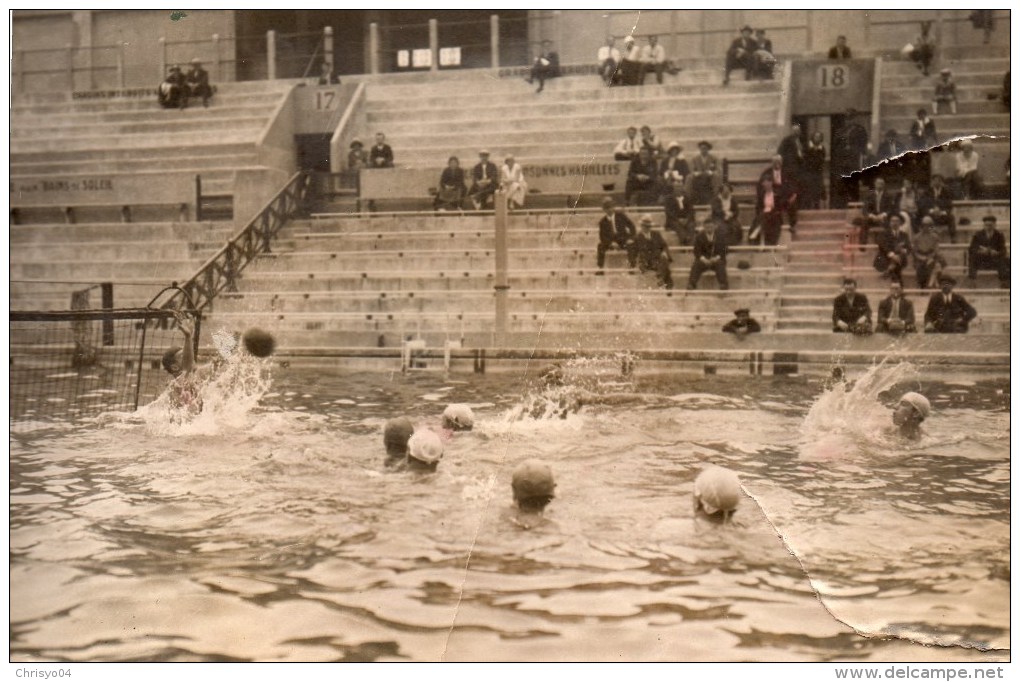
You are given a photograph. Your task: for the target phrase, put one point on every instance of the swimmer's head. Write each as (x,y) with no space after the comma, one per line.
(458,418)
(533,485)
(396,433)
(424,450)
(172,360)
(913,408)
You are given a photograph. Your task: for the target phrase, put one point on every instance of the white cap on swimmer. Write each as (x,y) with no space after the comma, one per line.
(458,417)
(918,402)
(425,446)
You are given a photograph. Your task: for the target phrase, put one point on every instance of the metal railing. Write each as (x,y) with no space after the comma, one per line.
(224,268)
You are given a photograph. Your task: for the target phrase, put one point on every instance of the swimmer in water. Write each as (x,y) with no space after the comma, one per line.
(179,362)
(533,489)
(717,494)
(912,409)
(458,417)
(396,433)
(424,450)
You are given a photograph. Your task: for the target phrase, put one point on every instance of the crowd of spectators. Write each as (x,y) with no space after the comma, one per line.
(635,62)
(752,52)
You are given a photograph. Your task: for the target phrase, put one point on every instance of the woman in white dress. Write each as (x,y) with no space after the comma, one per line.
(512,182)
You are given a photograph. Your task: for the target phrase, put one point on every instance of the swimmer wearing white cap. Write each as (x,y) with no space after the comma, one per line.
(424,450)
(458,417)
(717,493)
(912,409)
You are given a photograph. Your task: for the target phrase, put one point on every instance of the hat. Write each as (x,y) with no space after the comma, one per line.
(458,417)
(742,311)
(743,265)
(196,60)
(927,220)
(705,143)
(628,39)
(673,144)
(357,143)
(988,219)
(945,71)
(533,478)
(947,279)
(918,402)
(646,219)
(425,446)
(175,68)
(746,28)
(483,152)
(607,202)
(396,433)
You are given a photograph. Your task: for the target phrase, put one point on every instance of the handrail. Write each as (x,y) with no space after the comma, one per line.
(224,267)
(876,101)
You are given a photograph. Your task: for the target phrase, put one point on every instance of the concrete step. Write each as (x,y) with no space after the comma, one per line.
(153,153)
(137,141)
(988,300)
(40,252)
(119,232)
(961,67)
(230,162)
(989,324)
(902,107)
(102,270)
(27,129)
(195,116)
(984,79)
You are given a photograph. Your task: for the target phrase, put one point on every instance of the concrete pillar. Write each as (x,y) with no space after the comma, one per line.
(83,22)
(434,44)
(494,39)
(271,55)
(327,48)
(558,29)
(216,57)
(808,33)
(501,285)
(373,48)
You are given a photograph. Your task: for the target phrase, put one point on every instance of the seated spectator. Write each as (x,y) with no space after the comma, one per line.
(706,175)
(945,92)
(197,82)
(171,92)
(813,172)
(851,311)
(741,55)
(709,254)
(674,167)
(642,180)
(326,75)
(906,205)
(546,66)
(653,59)
(928,261)
(484,177)
(875,209)
(840,50)
(652,253)
(895,313)
(987,251)
(967,171)
(609,62)
(893,249)
(357,158)
(627,149)
(679,211)
(381,155)
(651,142)
(937,203)
(948,313)
(768,218)
(764,57)
(922,50)
(742,324)
(784,184)
(726,215)
(631,68)
(513,183)
(791,153)
(452,188)
(922,131)
(984,21)
(615,230)
(891,145)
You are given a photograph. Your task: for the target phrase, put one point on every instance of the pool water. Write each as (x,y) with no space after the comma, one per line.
(268,529)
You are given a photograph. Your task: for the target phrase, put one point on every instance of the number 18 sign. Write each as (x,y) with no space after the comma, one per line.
(833,77)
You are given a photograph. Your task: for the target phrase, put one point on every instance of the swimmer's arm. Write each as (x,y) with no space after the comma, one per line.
(188,353)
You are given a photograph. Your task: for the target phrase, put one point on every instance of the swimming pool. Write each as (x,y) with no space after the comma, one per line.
(271,531)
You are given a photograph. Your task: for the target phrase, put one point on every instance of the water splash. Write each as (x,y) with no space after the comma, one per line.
(564,388)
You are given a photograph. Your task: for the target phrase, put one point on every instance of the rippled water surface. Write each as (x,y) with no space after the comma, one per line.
(268,529)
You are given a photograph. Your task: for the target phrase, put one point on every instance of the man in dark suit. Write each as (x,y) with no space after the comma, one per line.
(988,252)
(937,203)
(742,324)
(643,179)
(768,216)
(709,254)
(546,65)
(381,154)
(840,50)
(197,81)
(784,184)
(791,150)
(679,211)
(764,57)
(485,179)
(615,230)
(741,55)
(876,209)
(726,214)
(851,311)
(652,252)
(895,313)
(948,313)
(922,131)
(891,145)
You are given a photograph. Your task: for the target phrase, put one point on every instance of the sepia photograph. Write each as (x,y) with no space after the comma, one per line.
(502,336)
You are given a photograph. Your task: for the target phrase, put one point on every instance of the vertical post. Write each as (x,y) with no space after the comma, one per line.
(494,39)
(216,57)
(876,102)
(162,59)
(558,29)
(939,26)
(271,55)
(808,33)
(373,48)
(70,67)
(674,47)
(704,30)
(501,268)
(198,198)
(120,66)
(434,45)
(107,290)
(327,48)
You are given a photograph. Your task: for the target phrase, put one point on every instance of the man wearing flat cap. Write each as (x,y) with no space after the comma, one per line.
(988,252)
(741,54)
(706,175)
(652,253)
(615,230)
(948,312)
(197,82)
(742,324)
(485,178)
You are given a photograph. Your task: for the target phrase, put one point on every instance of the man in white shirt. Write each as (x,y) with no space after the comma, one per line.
(967,171)
(653,56)
(609,62)
(628,147)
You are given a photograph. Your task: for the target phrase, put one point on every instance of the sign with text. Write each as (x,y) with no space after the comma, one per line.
(102,189)
(827,86)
